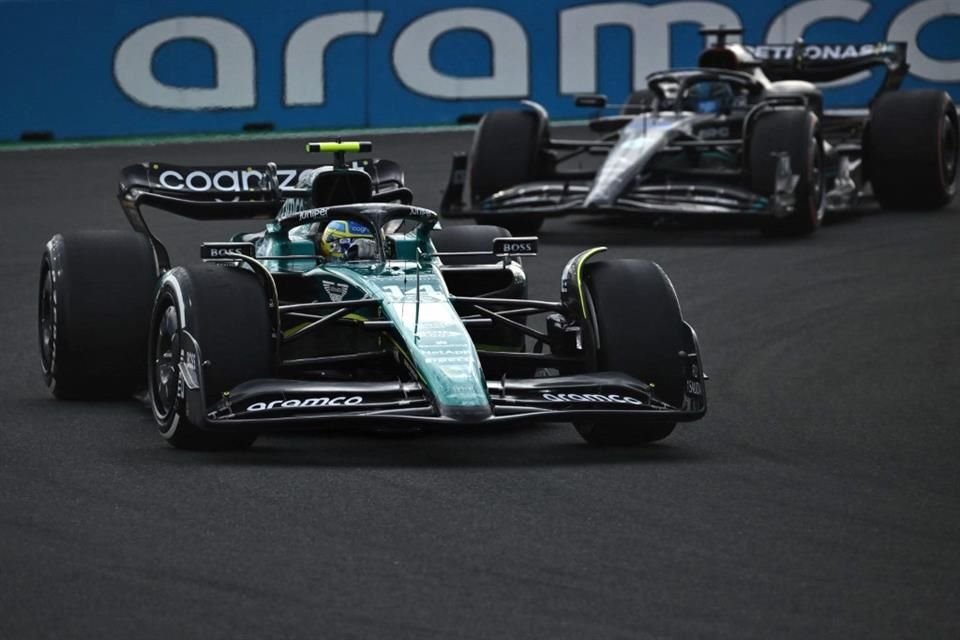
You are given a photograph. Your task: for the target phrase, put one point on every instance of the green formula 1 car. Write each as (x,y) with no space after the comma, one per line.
(351,308)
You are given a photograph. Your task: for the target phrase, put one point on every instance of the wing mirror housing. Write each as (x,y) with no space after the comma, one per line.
(594,100)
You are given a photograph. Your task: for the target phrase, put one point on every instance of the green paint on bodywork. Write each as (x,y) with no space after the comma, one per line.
(426,326)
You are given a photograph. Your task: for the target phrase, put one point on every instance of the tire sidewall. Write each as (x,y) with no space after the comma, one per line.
(49,268)
(168,295)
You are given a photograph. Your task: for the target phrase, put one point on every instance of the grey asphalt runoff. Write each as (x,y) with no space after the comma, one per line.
(819,498)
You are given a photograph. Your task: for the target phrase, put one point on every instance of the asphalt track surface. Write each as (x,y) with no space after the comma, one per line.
(820,497)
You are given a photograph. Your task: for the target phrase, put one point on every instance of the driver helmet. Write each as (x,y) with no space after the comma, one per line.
(340,236)
(708,96)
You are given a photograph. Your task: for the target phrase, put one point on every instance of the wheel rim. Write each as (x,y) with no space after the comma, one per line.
(47,322)
(165,378)
(949,147)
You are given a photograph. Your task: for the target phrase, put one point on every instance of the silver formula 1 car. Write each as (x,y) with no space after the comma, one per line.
(744,135)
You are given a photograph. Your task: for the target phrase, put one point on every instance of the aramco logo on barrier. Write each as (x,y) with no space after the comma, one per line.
(510,55)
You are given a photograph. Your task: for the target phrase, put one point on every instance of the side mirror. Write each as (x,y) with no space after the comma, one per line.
(525,246)
(609,124)
(594,100)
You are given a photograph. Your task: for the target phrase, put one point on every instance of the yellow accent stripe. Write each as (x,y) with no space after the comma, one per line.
(292,330)
(322,147)
(583,300)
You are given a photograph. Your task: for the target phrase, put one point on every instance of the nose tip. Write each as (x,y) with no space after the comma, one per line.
(595,200)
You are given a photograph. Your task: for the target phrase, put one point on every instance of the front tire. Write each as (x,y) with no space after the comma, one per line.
(640,332)
(911,148)
(795,132)
(96,288)
(226,311)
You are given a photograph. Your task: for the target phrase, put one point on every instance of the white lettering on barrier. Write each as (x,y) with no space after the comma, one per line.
(650,34)
(232,55)
(907,26)
(510,58)
(508,51)
(303,61)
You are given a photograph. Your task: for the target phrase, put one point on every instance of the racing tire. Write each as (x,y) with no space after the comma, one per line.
(797,133)
(507,150)
(911,147)
(638,102)
(96,288)
(640,332)
(468,237)
(226,311)
(498,281)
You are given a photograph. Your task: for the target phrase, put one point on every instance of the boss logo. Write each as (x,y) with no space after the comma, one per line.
(222,250)
(591,397)
(515,246)
(306,403)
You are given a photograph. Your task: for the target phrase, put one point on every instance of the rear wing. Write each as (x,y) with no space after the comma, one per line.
(238,192)
(829,62)
(234,192)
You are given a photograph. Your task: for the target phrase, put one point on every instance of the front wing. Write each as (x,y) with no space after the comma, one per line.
(289,404)
(283,404)
(557,199)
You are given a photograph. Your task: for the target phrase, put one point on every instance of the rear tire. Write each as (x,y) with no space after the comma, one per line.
(640,333)
(497,281)
(468,237)
(225,310)
(911,148)
(96,288)
(797,133)
(507,151)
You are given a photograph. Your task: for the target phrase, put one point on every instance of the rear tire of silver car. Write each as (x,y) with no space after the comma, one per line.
(795,132)
(96,288)
(507,151)
(226,312)
(640,332)
(911,149)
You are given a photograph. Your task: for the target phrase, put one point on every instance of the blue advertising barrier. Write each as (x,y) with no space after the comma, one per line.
(97,68)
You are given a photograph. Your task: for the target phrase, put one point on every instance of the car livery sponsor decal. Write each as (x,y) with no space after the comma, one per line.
(818,51)
(304,216)
(223,180)
(233,179)
(306,403)
(335,290)
(591,397)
